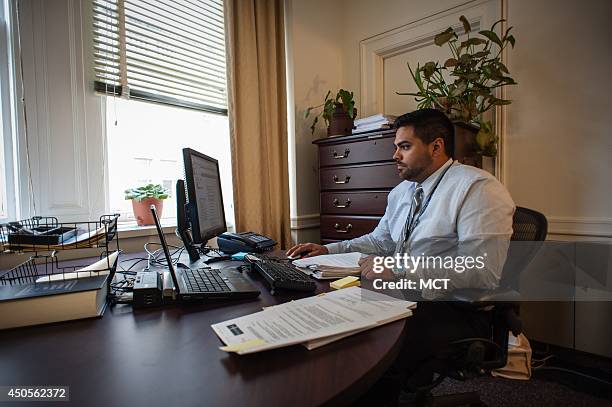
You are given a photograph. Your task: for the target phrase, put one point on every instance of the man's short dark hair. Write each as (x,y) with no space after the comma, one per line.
(429,124)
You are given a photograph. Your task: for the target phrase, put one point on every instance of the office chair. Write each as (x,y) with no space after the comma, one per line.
(473,357)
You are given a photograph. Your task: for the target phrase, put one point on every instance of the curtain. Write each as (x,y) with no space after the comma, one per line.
(257,116)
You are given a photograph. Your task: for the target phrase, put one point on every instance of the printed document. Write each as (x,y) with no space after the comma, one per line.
(336,313)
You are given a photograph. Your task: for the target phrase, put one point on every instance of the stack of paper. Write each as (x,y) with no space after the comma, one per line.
(375,122)
(312,322)
(330,266)
(83,239)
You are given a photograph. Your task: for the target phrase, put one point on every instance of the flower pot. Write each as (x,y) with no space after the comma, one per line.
(341,124)
(488,164)
(466,148)
(142,211)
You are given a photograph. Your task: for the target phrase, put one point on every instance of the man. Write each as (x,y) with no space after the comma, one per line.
(442,208)
(462,209)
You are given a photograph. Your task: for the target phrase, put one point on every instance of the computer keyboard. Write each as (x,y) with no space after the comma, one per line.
(204,280)
(283,275)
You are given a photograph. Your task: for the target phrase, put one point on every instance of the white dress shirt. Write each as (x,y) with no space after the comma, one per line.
(469,214)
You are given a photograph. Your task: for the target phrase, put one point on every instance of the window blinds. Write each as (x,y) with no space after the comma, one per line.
(166,51)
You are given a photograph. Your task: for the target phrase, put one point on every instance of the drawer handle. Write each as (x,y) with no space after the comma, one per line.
(337,203)
(346,230)
(337,157)
(346,179)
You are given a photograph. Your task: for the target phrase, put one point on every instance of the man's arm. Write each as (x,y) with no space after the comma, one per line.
(378,242)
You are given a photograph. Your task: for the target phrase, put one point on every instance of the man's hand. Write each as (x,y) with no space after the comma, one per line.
(367,270)
(307,250)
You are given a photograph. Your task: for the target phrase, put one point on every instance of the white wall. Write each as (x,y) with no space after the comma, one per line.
(314,52)
(366,18)
(557,146)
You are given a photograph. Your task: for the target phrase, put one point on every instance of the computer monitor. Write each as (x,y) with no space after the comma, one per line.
(203,184)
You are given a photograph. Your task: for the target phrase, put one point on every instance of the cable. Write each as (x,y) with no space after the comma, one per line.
(544,359)
(32,203)
(139,259)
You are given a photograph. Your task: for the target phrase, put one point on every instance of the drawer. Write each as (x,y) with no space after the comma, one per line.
(366,151)
(373,176)
(356,203)
(346,227)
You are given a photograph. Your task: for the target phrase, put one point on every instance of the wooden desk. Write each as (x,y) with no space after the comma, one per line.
(170,357)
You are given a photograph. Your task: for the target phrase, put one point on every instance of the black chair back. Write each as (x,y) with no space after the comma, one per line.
(527,226)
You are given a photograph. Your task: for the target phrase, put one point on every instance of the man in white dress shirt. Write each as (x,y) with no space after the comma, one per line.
(441,208)
(463,210)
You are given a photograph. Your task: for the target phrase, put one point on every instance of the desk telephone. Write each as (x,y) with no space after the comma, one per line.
(244,242)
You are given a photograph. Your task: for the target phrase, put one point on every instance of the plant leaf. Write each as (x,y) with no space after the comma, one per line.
(459,89)
(472,41)
(466,24)
(492,36)
(428,69)
(511,40)
(501,20)
(314,123)
(444,37)
(451,62)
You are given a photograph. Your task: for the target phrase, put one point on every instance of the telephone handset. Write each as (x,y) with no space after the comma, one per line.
(244,242)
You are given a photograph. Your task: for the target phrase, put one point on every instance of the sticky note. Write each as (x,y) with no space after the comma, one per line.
(237,347)
(238,256)
(345,282)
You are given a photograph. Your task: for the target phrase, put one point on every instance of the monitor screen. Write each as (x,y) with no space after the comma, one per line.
(203,185)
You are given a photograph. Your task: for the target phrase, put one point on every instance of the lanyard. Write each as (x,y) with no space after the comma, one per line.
(415,222)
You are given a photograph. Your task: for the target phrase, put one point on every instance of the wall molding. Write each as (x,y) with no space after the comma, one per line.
(419,34)
(411,36)
(580,226)
(301,222)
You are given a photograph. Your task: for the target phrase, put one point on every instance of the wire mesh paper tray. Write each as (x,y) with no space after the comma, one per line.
(47,268)
(42,233)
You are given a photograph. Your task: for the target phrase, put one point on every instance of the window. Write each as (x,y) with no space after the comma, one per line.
(165,51)
(145,142)
(7,184)
(171,53)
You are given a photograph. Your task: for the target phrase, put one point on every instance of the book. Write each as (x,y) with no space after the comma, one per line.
(55,301)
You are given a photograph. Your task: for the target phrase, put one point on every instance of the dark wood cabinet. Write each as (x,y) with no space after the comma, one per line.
(356,174)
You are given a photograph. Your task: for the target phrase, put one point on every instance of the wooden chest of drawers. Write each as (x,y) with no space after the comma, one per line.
(356,174)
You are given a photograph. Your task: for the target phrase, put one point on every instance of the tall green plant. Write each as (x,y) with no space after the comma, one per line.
(343,98)
(474,70)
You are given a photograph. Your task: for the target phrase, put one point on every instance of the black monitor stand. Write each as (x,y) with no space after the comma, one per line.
(183,216)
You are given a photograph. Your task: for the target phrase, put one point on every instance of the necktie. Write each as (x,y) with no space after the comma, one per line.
(417,202)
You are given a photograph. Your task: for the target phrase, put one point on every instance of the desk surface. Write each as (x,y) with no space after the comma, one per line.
(170,356)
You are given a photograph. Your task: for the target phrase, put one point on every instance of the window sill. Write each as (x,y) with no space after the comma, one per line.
(131,229)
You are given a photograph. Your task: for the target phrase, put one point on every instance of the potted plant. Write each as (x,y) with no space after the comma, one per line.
(464,87)
(142,199)
(339,113)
